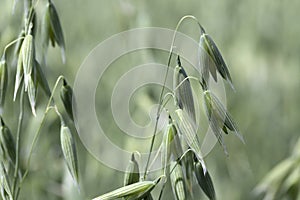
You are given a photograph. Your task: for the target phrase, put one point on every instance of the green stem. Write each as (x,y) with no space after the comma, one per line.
(39,128)
(10,44)
(164,84)
(20,121)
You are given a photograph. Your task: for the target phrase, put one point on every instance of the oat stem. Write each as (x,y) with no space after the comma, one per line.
(20,121)
(164,84)
(48,107)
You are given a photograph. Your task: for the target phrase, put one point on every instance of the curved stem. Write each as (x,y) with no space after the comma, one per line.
(164,85)
(10,44)
(20,121)
(41,124)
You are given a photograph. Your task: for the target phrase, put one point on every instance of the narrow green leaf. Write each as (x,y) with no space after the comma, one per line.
(132,174)
(66,95)
(7,142)
(56,28)
(183,93)
(69,150)
(205,181)
(177,181)
(28,56)
(140,188)
(3,81)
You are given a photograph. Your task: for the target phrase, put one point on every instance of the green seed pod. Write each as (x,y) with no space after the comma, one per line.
(28,58)
(177,181)
(56,29)
(205,181)
(219,118)
(19,74)
(134,191)
(183,91)
(213,51)
(132,174)
(187,129)
(166,146)
(189,170)
(3,81)
(4,182)
(7,142)
(69,150)
(66,95)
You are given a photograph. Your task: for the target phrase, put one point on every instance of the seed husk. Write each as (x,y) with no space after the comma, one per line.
(56,29)
(66,95)
(183,93)
(204,181)
(166,145)
(132,174)
(7,141)
(177,181)
(135,191)
(4,181)
(3,80)
(31,91)
(189,170)
(19,74)
(187,129)
(69,150)
(28,58)
(218,116)
(215,54)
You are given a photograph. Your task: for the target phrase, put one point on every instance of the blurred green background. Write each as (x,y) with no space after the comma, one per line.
(259,40)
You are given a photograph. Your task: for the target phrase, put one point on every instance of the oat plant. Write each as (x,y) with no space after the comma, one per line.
(182,162)
(29,79)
